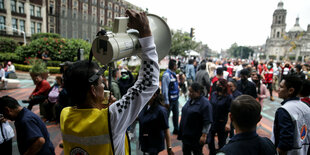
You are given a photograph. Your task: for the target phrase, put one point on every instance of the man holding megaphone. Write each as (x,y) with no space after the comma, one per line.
(88,128)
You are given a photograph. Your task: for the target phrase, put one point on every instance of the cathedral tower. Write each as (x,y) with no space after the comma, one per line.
(278,22)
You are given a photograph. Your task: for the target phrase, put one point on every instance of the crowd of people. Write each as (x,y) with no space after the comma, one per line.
(224,99)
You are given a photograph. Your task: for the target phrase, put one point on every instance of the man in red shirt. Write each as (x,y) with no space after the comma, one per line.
(40,93)
(230,68)
(268,73)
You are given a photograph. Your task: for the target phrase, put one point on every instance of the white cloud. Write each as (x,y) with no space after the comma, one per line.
(220,23)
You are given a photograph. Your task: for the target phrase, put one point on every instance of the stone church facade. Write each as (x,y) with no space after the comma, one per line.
(281,44)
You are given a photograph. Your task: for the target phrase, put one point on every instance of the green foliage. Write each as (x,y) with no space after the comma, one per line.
(44,35)
(37,65)
(7,45)
(26,68)
(54,70)
(53,63)
(59,49)
(182,42)
(9,57)
(22,67)
(242,52)
(262,56)
(272,57)
(292,58)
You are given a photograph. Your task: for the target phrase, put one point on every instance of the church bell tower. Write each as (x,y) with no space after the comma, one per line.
(278,22)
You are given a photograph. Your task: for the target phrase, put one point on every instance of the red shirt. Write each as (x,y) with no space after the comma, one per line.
(306,100)
(230,68)
(42,88)
(261,68)
(269,75)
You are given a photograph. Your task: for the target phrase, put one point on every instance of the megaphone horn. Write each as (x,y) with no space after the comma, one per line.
(121,43)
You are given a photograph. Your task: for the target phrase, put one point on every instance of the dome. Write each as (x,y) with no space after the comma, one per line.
(296,27)
(280,5)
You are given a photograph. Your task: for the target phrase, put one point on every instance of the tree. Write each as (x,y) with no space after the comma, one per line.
(182,42)
(242,52)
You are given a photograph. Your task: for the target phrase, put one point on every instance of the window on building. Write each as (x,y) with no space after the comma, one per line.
(2,23)
(110,6)
(21,7)
(75,4)
(278,34)
(74,15)
(22,25)
(14,25)
(1,4)
(64,1)
(110,15)
(13,5)
(51,8)
(38,27)
(102,3)
(31,10)
(101,22)
(94,2)
(32,27)
(101,12)
(38,10)
(51,30)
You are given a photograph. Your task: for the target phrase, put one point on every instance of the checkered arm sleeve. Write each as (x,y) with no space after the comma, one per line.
(124,111)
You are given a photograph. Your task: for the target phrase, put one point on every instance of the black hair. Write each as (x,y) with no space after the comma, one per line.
(7,101)
(245,71)
(202,66)
(293,81)
(245,111)
(271,64)
(114,71)
(190,61)
(233,81)
(219,71)
(298,66)
(172,64)
(258,84)
(76,80)
(305,91)
(224,68)
(196,87)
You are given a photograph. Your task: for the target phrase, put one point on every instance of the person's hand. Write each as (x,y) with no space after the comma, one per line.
(227,127)
(170,152)
(203,139)
(112,99)
(2,119)
(140,22)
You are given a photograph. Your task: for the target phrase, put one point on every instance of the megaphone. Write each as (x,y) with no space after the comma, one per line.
(121,43)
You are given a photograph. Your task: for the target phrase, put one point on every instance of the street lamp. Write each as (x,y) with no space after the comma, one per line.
(24,33)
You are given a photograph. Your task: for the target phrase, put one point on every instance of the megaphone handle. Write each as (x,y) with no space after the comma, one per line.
(110,80)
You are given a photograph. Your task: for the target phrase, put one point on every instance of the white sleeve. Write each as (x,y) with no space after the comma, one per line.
(124,111)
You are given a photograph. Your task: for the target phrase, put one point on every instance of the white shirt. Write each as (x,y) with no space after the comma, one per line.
(120,121)
(11,68)
(2,74)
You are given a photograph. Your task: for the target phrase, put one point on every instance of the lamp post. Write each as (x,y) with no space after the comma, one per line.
(24,33)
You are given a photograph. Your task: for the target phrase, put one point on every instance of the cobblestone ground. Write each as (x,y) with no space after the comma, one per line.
(264,128)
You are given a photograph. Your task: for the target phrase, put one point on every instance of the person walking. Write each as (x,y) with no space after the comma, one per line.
(170,90)
(196,121)
(153,125)
(220,101)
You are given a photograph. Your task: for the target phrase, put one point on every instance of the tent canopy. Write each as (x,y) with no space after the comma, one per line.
(192,53)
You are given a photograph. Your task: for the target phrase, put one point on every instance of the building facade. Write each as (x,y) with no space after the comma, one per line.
(19,17)
(69,18)
(282,44)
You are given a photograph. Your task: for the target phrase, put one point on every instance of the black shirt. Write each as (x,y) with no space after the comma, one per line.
(247,88)
(248,143)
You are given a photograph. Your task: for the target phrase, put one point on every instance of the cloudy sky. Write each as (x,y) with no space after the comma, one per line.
(220,23)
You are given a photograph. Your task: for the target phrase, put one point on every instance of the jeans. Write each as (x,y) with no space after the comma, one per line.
(174,107)
(188,149)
